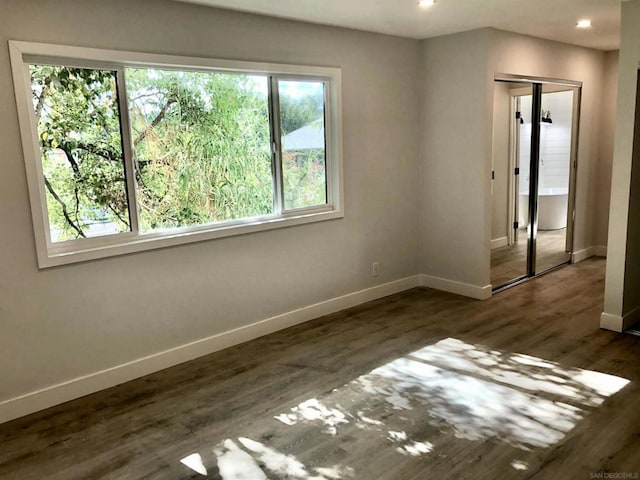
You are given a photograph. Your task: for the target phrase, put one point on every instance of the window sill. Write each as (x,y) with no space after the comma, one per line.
(114,246)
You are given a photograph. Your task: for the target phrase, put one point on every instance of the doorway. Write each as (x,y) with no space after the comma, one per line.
(535,132)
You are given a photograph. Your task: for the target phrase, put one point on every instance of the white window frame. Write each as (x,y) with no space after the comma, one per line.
(50,254)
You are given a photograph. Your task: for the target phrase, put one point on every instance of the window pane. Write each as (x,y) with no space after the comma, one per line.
(82,161)
(302,119)
(202,147)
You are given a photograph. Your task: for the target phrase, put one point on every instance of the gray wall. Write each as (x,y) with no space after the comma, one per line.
(458,90)
(622,290)
(628,92)
(632,262)
(607,135)
(455,213)
(62,323)
(500,221)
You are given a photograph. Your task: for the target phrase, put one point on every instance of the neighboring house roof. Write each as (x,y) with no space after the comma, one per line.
(309,137)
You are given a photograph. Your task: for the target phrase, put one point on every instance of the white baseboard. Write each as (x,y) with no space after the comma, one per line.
(499,242)
(465,289)
(81,386)
(580,255)
(612,322)
(619,323)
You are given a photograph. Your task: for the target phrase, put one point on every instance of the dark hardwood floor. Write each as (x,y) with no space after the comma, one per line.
(419,385)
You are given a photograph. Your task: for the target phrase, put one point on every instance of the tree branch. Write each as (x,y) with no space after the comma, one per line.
(41,99)
(155,121)
(101,152)
(145,95)
(77,198)
(89,148)
(65,211)
(115,212)
(70,159)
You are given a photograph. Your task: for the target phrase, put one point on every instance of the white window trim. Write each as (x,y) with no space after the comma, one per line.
(24,53)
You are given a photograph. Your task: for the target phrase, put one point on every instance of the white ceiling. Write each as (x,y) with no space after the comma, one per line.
(552,19)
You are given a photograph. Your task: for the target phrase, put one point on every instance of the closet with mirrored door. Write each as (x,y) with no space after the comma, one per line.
(534,161)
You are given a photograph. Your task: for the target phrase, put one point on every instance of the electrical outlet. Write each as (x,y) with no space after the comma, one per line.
(375,269)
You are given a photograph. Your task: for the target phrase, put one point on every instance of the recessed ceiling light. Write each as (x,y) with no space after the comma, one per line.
(583,24)
(426,3)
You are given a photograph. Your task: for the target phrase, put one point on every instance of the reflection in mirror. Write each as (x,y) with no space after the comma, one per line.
(553,245)
(410,408)
(510,181)
(532,219)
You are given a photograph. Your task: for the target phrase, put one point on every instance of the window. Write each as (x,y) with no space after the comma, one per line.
(78,123)
(303,143)
(201,147)
(127,152)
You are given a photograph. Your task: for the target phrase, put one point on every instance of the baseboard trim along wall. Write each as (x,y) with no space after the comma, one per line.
(619,323)
(465,289)
(79,387)
(580,255)
(499,242)
(612,322)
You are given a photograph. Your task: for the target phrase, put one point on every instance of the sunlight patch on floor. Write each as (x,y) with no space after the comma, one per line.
(519,465)
(248,459)
(313,410)
(475,409)
(529,373)
(194,462)
(415,449)
(413,402)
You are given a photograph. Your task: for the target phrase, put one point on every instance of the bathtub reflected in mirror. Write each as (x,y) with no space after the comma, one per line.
(551,242)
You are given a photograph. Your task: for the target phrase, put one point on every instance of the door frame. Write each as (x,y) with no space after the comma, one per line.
(513,179)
